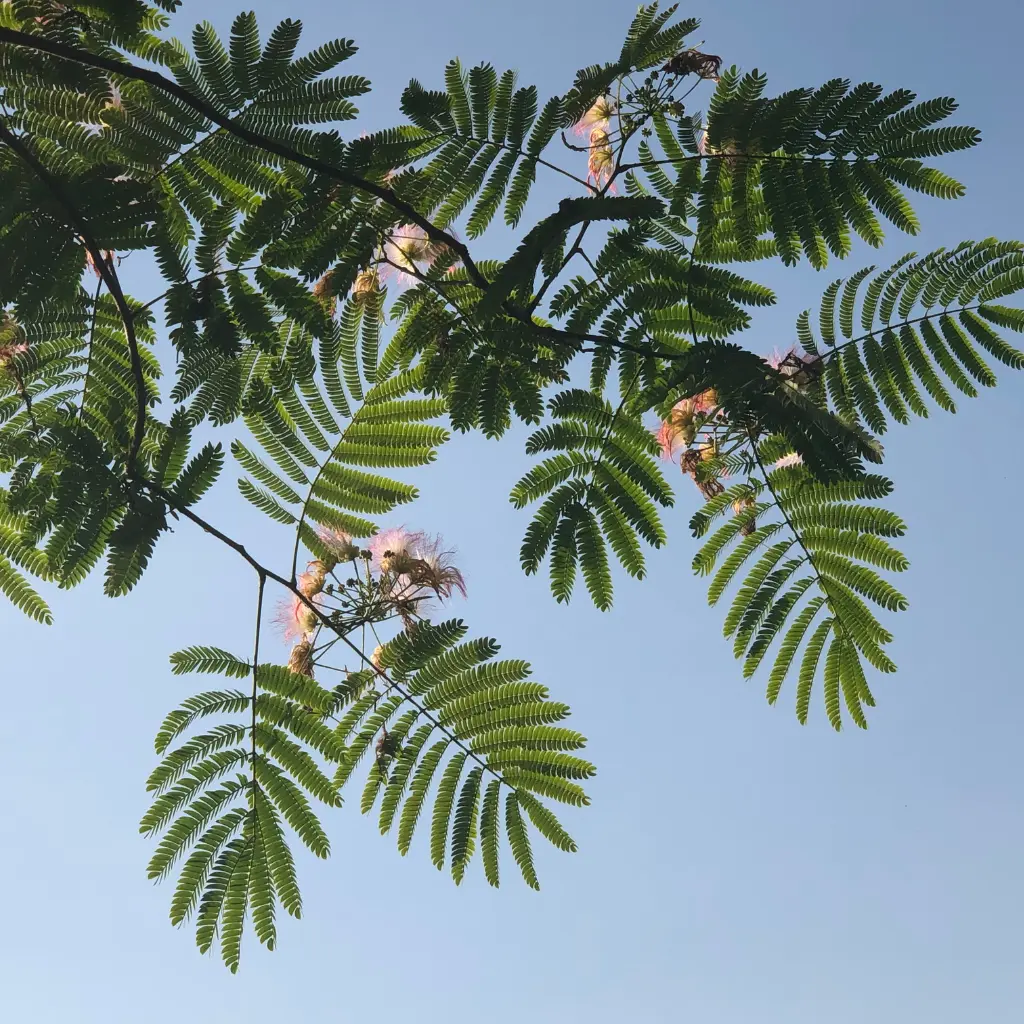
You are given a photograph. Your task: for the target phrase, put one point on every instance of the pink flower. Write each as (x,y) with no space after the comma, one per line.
(793,459)
(777,358)
(392,549)
(598,116)
(670,436)
(296,619)
(798,369)
(407,251)
(8,352)
(705,401)
(339,544)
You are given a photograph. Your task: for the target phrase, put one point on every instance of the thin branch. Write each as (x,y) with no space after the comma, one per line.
(92,342)
(256,665)
(104,267)
(197,280)
(25,396)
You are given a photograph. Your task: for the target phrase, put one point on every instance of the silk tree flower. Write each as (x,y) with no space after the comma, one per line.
(798,368)
(671,437)
(598,116)
(296,619)
(408,250)
(12,338)
(602,158)
(340,545)
(690,463)
(392,550)
(679,430)
(311,582)
(367,282)
(741,506)
(433,568)
(793,459)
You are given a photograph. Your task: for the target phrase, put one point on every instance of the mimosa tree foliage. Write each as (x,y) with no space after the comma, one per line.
(324,323)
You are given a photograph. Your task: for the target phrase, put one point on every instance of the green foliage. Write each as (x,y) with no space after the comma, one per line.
(922,323)
(798,552)
(318,299)
(225,797)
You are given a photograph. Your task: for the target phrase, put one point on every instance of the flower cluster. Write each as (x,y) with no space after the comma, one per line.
(679,430)
(678,433)
(404,571)
(417,566)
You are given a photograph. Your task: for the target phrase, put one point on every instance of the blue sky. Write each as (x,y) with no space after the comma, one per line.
(735,868)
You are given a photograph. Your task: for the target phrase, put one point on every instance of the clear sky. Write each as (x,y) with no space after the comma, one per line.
(735,868)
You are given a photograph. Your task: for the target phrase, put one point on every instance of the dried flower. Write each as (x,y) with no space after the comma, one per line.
(366,284)
(598,116)
(375,658)
(433,568)
(704,65)
(108,256)
(739,508)
(301,660)
(690,463)
(311,582)
(12,338)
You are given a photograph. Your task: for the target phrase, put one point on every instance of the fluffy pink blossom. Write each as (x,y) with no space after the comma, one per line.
(339,544)
(408,250)
(670,436)
(296,619)
(776,359)
(598,116)
(392,549)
